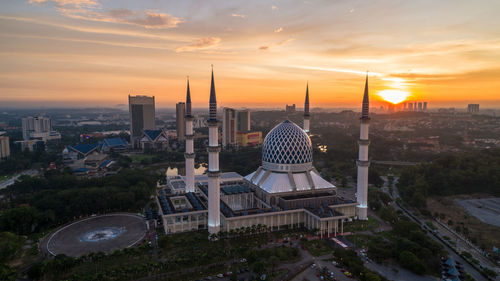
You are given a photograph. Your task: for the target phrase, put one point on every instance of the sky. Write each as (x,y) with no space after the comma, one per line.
(97,52)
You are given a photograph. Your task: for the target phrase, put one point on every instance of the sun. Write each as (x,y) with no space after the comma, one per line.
(393,96)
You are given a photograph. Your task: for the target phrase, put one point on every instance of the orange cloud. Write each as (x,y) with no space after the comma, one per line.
(238,16)
(87,10)
(203,43)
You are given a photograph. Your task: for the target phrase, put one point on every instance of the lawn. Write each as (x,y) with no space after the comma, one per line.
(360,225)
(137,158)
(360,240)
(318,247)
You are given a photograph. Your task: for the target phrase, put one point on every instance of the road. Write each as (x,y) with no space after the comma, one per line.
(10,181)
(467,267)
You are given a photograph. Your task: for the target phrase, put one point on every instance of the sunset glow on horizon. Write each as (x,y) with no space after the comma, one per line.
(96,53)
(393,96)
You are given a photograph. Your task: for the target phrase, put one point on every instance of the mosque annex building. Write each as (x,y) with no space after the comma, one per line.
(286,191)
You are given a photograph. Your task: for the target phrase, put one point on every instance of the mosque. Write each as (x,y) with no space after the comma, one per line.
(286,191)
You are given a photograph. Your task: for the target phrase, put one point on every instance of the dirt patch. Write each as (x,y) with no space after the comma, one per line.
(482,234)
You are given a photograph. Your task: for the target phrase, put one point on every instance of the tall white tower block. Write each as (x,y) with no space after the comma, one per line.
(213,164)
(363,160)
(189,155)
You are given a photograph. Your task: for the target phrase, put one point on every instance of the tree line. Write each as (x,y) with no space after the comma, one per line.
(33,204)
(452,174)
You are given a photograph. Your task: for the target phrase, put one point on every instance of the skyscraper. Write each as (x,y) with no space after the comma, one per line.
(363,161)
(420,106)
(229,126)
(473,108)
(142,117)
(233,122)
(425,106)
(180,115)
(243,120)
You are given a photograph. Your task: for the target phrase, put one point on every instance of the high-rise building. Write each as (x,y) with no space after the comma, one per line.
(420,106)
(180,117)
(36,127)
(473,108)
(290,108)
(233,122)
(410,106)
(425,106)
(142,117)
(229,126)
(243,120)
(363,160)
(4,145)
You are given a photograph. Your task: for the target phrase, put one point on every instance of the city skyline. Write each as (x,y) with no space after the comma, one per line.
(96,53)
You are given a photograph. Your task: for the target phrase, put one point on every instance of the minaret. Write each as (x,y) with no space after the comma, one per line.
(213,164)
(363,162)
(307,117)
(189,155)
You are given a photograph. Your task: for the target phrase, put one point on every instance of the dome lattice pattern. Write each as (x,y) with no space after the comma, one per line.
(287,143)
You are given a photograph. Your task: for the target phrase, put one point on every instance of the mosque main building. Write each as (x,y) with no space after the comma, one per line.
(286,191)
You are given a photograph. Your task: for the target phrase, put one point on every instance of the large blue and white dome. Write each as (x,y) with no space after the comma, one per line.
(287,148)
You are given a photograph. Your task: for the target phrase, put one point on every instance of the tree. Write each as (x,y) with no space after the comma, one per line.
(259,267)
(370,276)
(409,261)
(273,261)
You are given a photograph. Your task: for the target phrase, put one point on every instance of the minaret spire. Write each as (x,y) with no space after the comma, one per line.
(366,103)
(307,117)
(188,100)
(189,155)
(213,172)
(363,160)
(213,99)
(306,104)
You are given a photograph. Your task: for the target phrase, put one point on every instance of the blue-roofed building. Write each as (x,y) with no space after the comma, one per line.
(82,150)
(154,140)
(114,144)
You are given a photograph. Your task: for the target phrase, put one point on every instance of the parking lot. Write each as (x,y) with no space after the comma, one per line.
(486,210)
(315,272)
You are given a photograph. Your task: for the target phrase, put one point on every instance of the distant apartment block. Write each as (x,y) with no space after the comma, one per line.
(180,118)
(290,108)
(229,126)
(37,131)
(39,128)
(142,117)
(243,120)
(4,145)
(236,129)
(473,108)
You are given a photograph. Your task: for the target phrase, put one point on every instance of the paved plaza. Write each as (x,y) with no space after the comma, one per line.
(105,233)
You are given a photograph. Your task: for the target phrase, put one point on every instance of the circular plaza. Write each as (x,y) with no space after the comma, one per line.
(105,233)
